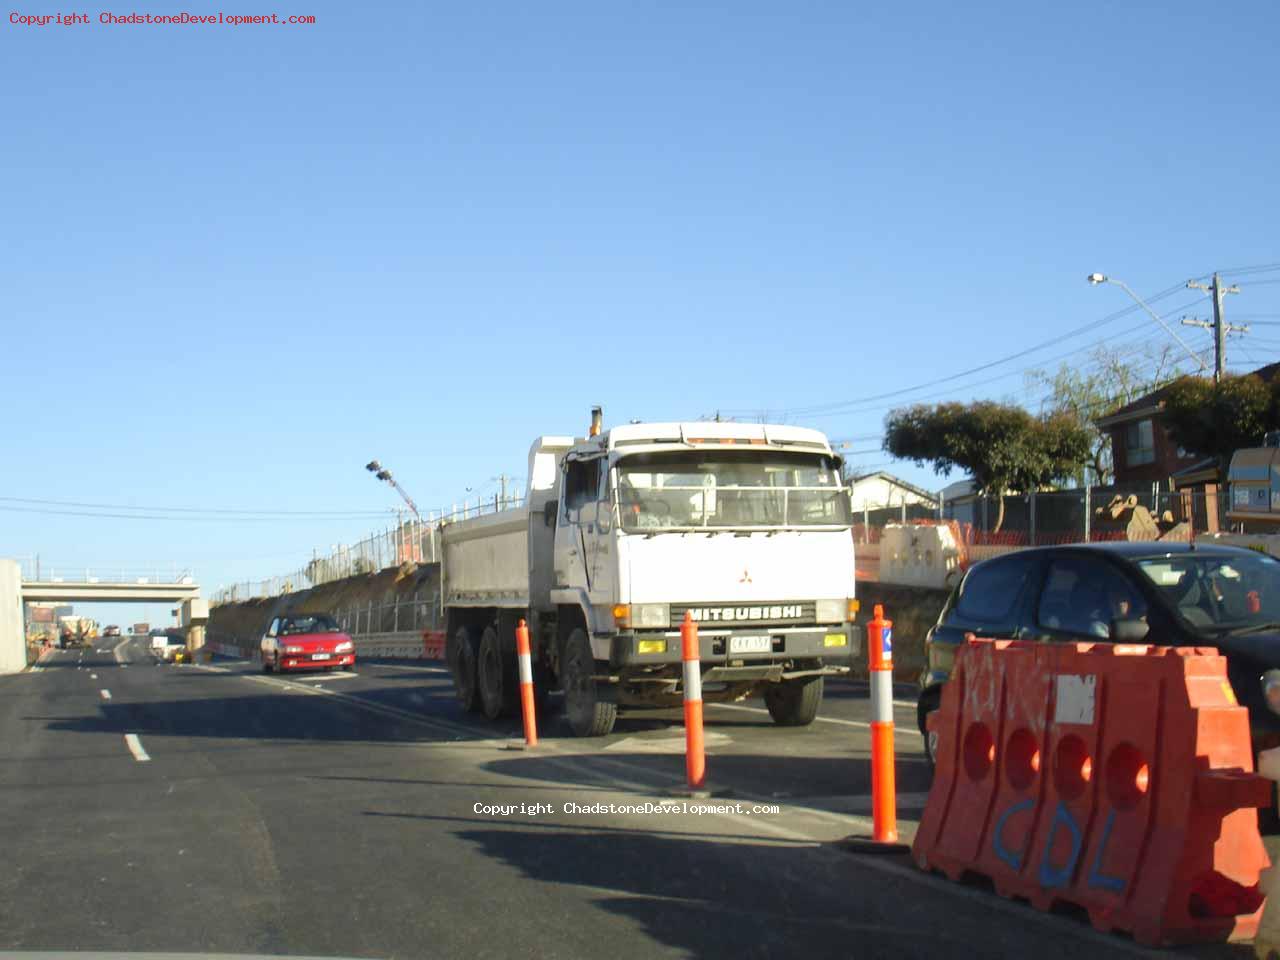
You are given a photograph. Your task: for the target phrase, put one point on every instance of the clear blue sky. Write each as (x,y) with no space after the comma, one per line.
(236,263)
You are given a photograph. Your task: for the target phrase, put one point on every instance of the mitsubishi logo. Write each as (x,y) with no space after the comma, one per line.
(746,576)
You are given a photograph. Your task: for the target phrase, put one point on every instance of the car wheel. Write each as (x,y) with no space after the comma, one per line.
(588,715)
(266,665)
(495,676)
(460,653)
(929,701)
(794,703)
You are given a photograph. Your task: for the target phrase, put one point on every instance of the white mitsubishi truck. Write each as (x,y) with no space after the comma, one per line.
(746,526)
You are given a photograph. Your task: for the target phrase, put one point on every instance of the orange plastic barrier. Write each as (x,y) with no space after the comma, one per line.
(1116,778)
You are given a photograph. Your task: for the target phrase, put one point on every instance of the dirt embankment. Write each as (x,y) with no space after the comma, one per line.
(243,623)
(913,611)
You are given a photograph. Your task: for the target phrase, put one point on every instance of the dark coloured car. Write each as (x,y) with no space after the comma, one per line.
(1168,594)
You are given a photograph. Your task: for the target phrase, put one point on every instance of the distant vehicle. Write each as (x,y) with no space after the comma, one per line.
(110,630)
(1182,595)
(141,629)
(306,642)
(168,644)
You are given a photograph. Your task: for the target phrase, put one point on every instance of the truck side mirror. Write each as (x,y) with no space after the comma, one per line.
(549,511)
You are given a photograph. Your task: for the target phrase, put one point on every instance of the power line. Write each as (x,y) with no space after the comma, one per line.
(843,405)
(186,518)
(212,511)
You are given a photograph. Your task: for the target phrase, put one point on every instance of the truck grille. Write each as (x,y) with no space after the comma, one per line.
(774,613)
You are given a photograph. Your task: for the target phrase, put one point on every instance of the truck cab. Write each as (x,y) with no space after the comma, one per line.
(745,528)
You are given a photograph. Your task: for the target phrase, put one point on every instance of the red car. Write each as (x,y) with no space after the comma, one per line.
(306,641)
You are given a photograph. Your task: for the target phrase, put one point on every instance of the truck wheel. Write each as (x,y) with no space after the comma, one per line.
(496,676)
(589,716)
(460,652)
(794,703)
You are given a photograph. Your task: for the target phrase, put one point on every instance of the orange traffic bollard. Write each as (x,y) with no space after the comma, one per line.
(884,800)
(695,761)
(526,684)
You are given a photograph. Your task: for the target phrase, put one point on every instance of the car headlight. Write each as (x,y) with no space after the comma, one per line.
(835,611)
(346,646)
(1271,690)
(292,649)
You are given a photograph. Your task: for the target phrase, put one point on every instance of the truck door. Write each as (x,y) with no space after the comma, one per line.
(578,559)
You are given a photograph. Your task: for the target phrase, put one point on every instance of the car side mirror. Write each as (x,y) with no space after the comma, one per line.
(1129,631)
(549,511)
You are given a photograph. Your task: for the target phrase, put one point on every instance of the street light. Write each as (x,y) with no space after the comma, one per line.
(1099,278)
(383,474)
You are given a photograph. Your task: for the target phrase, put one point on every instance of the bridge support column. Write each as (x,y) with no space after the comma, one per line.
(13,645)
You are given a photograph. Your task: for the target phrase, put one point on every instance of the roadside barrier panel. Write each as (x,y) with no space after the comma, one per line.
(1118,778)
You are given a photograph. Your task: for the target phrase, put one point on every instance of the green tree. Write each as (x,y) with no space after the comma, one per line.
(1216,419)
(1003,447)
(1107,382)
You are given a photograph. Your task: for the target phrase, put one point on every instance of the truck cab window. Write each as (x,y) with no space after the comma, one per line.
(581,484)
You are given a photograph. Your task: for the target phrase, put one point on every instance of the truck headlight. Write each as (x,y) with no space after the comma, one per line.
(835,611)
(1271,690)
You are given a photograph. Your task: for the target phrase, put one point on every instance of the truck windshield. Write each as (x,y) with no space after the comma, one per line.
(699,489)
(1217,593)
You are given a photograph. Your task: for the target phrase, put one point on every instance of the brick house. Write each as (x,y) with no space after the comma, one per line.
(1141,449)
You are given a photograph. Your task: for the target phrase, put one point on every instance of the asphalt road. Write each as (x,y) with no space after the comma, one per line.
(214,809)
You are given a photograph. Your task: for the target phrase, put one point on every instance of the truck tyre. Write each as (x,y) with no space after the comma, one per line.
(794,703)
(496,676)
(588,715)
(460,652)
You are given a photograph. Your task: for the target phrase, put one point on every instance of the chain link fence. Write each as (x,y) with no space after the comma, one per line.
(414,541)
(1147,513)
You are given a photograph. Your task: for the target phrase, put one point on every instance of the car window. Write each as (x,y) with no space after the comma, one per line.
(1083,597)
(991,589)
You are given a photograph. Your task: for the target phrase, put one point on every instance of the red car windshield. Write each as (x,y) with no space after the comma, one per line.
(314,624)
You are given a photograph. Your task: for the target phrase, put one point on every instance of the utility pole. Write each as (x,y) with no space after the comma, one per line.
(1219,327)
(502,479)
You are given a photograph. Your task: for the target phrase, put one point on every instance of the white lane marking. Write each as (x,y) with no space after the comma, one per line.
(670,743)
(897,727)
(106,694)
(37,669)
(93,676)
(135,747)
(396,666)
(323,677)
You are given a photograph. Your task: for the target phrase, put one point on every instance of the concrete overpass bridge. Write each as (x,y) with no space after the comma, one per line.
(28,583)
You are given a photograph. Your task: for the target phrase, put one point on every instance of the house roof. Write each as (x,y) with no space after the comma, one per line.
(1153,402)
(896,481)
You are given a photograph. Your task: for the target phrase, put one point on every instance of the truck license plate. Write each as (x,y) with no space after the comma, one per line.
(321,656)
(750,644)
